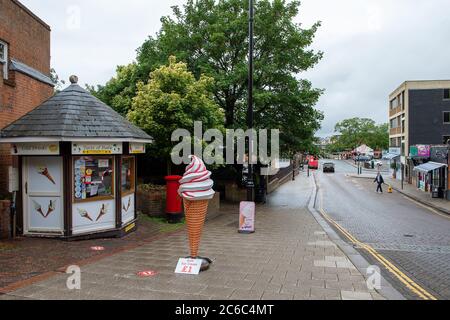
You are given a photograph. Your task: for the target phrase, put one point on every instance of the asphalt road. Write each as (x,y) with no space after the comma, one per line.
(414,239)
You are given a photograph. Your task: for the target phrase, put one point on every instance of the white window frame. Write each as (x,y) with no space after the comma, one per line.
(5,60)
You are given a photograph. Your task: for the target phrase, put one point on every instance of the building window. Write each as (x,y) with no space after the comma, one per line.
(394,103)
(447,117)
(446,139)
(93,178)
(127,178)
(4,58)
(446,94)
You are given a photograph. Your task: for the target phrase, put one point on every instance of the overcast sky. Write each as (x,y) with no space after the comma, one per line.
(370,46)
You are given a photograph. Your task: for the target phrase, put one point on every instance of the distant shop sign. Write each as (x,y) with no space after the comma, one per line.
(421,150)
(96,148)
(394,151)
(439,154)
(413,151)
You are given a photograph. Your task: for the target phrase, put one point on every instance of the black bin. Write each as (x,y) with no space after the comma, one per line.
(437,192)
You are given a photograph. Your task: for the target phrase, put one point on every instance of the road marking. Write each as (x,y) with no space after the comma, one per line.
(408,282)
(428,208)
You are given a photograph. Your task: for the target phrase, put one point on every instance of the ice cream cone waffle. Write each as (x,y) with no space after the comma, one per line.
(195,212)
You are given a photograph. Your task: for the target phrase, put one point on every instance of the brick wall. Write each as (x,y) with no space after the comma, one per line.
(5,219)
(152,203)
(28,37)
(28,41)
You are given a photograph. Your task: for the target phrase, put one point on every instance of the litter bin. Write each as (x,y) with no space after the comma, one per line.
(437,192)
(174,203)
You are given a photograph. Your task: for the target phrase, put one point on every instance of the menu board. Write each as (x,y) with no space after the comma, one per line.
(93,177)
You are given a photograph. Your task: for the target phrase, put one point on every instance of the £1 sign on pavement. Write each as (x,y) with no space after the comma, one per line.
(189,266)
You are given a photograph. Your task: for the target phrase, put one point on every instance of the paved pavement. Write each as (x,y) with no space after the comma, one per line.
(289,257)
(23,258)
(412,237)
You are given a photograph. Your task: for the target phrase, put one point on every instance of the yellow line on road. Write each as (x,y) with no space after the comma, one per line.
(408,282)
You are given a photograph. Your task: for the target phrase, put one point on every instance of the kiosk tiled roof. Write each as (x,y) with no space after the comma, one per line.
(73,113)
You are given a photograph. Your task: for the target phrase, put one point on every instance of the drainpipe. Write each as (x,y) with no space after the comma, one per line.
(13,214)
(402,166)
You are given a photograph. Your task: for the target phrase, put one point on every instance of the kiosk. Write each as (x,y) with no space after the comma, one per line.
(76,167)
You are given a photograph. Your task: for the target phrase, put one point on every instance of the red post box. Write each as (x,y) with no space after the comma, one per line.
(174,203)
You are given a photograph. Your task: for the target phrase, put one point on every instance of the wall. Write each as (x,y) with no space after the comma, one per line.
(28,41)
(426,121)
(28,36)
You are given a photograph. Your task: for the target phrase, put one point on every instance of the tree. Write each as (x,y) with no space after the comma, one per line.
(173,99)
(59,83)
(212,37)
(357,131)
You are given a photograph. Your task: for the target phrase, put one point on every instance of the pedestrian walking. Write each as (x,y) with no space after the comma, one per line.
(379,180)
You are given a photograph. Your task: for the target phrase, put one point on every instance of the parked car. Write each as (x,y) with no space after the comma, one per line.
(363,158)
(328,167)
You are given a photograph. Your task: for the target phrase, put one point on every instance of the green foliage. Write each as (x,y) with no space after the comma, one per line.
(173,99)
(212,38)
(357,131)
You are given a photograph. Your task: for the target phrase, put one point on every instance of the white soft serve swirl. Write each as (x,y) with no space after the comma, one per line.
(196,183)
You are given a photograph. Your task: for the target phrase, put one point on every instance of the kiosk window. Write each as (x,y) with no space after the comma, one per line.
(93,178)
(127,177)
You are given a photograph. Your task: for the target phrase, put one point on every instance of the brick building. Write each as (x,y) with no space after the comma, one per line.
(24,69)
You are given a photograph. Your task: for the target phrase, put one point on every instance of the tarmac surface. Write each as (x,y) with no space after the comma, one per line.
(415,239)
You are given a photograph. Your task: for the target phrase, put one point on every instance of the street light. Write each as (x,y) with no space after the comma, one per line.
(250,181)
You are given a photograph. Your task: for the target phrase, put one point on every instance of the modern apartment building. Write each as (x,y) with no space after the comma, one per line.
(24,70)
(419,114)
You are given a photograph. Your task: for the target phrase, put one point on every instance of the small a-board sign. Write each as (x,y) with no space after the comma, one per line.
(247,217)
(98,248)
(147,274)
(189,266)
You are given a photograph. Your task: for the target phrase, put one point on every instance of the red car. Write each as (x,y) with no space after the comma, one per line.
(313,163)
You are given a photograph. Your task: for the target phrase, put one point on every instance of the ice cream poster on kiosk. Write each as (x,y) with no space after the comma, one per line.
(196,189)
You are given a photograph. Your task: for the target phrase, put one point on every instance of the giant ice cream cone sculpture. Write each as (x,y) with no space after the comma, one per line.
(196,191)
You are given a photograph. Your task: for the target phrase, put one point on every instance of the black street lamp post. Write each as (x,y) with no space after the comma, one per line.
(250,180)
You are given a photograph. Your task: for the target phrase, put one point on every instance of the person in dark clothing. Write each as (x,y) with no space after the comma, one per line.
(379,180)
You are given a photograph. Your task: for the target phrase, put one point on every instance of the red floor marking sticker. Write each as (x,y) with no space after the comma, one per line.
(145,274)
(98,248)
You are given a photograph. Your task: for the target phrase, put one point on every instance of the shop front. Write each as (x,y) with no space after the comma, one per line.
(432,177)
(77,168)
(418,155)
(393,158)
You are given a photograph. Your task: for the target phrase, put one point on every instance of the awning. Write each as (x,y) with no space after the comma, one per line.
(391,156)
(429,166)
